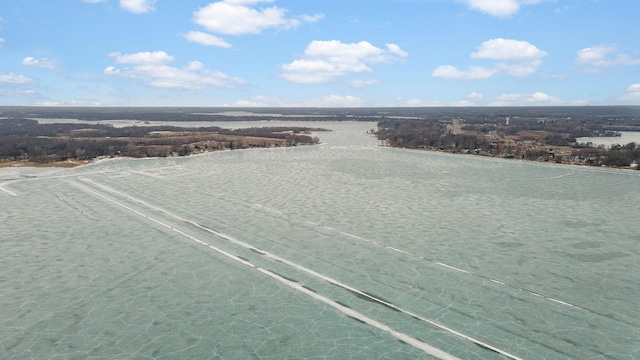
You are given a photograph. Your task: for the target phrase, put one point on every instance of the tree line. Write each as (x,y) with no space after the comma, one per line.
(488,138)
(27,140)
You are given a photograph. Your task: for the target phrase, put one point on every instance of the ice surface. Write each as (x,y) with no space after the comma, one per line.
(341,250)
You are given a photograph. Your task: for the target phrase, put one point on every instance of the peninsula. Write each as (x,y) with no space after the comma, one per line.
(537,134)
(25,142)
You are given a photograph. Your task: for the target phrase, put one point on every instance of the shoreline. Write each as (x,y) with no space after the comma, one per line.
(501,156)
(78,163)
(56,164)
(69,164)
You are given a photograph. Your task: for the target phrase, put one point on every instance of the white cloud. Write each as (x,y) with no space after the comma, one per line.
(327,101)
(419,103)
(508,49)
(194,66)
(143,58)
(323,61)
(535,99)
(395,49)
(259,101)
(595,55)
(247,103)
(499,8)
(10,78)
(594,59)
(555,76)
(39,63)
(624,60)
(18,92)
(138,6)
(475,96)
(472,99)
(517,58)
(464,103)
(363,83)
(474,72)
(151,68)
(311,18)
(1,39)
(73,102)
(337,51)
(632,97)
(520,69)
(16,85)
(313,71)
(335,101)
(206,39)
(237,17)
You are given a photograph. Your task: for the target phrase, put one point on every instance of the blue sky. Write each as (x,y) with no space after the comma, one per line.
(333,53)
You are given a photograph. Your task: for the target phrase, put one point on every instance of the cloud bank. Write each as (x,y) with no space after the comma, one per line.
(632,97)
(324,61)
(499,8)
(206,39)
(535,99)
(152,69)
(595,59)
(242,17)
(238,17)
(11,78)
(137,6)
(39,63)
(514,57)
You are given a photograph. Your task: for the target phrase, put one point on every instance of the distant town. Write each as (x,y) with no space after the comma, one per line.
(74,136)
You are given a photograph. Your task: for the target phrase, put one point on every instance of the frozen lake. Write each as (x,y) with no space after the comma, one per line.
(625,138)
(344,250)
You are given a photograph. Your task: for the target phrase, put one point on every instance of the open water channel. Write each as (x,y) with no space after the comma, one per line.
(344,250)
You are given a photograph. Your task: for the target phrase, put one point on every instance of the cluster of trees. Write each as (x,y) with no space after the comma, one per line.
(565,130)
(30,127)
(45,150)
(615,156)
(489,139)
(428,134)
(568,128)
(27,140)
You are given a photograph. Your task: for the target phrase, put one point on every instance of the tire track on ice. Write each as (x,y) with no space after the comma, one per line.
(343,309)
(347,311)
